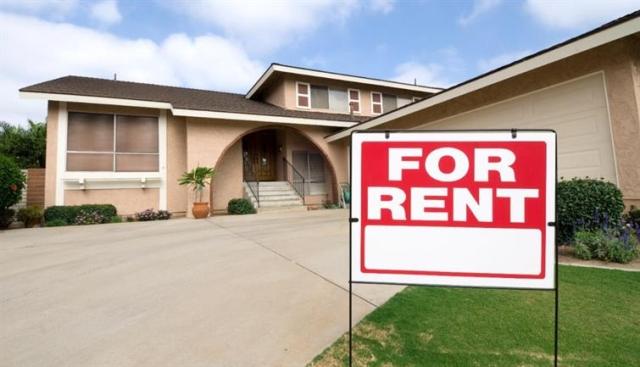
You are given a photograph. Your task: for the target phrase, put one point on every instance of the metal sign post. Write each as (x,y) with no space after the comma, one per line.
(489,193)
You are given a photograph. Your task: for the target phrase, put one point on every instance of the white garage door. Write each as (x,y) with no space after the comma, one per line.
(577,111)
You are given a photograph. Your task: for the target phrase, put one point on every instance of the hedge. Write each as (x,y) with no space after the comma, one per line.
(69,213)
(240,206)
(586,204)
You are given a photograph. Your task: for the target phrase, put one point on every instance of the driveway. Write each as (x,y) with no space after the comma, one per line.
(257,290)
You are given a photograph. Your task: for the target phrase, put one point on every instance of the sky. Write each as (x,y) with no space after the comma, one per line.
(226,45)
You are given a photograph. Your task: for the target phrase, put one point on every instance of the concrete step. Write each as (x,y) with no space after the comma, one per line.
(278,209)
(280,203)
(289,196)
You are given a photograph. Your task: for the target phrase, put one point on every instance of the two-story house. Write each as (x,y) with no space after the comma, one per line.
(127,143)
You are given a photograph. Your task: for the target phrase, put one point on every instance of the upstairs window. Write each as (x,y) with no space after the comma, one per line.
(319,97)
(389,102)
(112,143)
(303,95)
(376,103)
(354,100)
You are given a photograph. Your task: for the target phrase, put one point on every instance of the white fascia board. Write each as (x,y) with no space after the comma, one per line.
(341,77)
(186,112)
(95,100)
(260,118)
(598,39)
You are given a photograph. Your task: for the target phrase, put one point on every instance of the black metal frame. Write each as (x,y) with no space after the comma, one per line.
(286,164)
(352,220)
(249,168)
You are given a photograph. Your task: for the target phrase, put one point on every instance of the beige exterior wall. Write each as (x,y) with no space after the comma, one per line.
(176,164)
(127,201)
(217,143)
(283,92)
(51,154)
(619,63)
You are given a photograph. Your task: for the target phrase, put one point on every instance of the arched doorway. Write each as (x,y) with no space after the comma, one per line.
(274,157)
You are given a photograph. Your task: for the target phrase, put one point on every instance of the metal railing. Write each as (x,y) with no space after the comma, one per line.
(251,179)
(295,179)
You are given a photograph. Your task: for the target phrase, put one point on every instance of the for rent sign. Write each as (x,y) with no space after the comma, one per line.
(454,208)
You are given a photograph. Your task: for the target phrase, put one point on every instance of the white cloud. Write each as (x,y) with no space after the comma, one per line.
(578,13)
(106,12)
(501,60)
(480,7)
(382,6)
(430,74)
(207,61)
(266,25)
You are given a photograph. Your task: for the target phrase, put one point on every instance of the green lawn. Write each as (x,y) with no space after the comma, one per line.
(422,326)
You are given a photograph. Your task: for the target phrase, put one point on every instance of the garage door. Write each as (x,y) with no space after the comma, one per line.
(577,111)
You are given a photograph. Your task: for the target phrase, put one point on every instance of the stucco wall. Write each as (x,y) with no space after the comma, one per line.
(127,201)
(52,146)
(209,140)
(616,60)
(227,182)
(176,164)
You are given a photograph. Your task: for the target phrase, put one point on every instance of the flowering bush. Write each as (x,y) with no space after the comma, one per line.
(90,217)
(617,243)
(150,214)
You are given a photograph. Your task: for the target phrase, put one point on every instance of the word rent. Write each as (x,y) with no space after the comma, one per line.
(428,203)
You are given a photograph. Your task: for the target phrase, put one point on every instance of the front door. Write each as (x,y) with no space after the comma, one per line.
(260,150)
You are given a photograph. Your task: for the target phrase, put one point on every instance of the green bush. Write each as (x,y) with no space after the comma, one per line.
(583,204)
(30,216)
(116,219)
(240,206)
(56,223)
(12,183)
(606,246)
(69,213)
(6,217)
(88,216)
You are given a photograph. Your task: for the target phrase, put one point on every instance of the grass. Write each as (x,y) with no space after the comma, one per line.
(428,326)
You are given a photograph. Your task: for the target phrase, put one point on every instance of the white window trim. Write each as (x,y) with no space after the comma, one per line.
(376,103)
(308,95)
(349,99)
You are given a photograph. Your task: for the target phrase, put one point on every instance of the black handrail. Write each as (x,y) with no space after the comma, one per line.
(250,170)
(300,190)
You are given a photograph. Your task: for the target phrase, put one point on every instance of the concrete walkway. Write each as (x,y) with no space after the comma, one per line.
(258,290)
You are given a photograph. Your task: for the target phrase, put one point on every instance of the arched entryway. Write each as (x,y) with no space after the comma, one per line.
(263,162)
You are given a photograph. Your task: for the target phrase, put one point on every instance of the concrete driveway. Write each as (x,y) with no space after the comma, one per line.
(257,290)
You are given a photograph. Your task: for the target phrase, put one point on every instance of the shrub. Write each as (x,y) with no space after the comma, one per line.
(56,223)
(116,219)
(584,204)
(30,216)
(6,218)
(163,215)
(69,213)
(240,206)
(612,245)
(87,216)
(11,185)
(146,215)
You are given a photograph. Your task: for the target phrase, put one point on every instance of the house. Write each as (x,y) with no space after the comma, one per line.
(127,144)
(285,142)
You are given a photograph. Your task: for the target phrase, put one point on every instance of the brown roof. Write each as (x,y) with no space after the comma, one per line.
(181,98)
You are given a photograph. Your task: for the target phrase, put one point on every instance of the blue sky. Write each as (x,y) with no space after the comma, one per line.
(225,45)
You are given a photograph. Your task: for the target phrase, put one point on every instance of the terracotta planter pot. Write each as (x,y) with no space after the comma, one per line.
(200,210)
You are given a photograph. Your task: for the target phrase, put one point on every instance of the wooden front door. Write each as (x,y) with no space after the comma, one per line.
(260,150)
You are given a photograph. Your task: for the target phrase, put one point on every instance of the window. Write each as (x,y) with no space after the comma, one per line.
(376,103)
(303,95)
(354,100)
(112,143)
(389,102)
(403,101)
(338,100)
(319,97)
(311,166)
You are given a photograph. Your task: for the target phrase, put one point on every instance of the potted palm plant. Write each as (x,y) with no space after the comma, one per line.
(198,178)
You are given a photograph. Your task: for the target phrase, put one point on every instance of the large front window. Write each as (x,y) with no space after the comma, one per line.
(112,143)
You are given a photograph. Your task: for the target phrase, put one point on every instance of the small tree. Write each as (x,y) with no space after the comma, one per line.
(11,185)
(26,145)
(199,178)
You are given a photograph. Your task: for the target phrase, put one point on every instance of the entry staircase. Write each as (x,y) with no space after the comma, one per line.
(273,195)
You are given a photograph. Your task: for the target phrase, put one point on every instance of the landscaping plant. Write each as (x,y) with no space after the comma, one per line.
(12,183)
(198,178)
(583,203)
(88,216)
(240,206)
(150,214)
(30,216)
(69,213)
